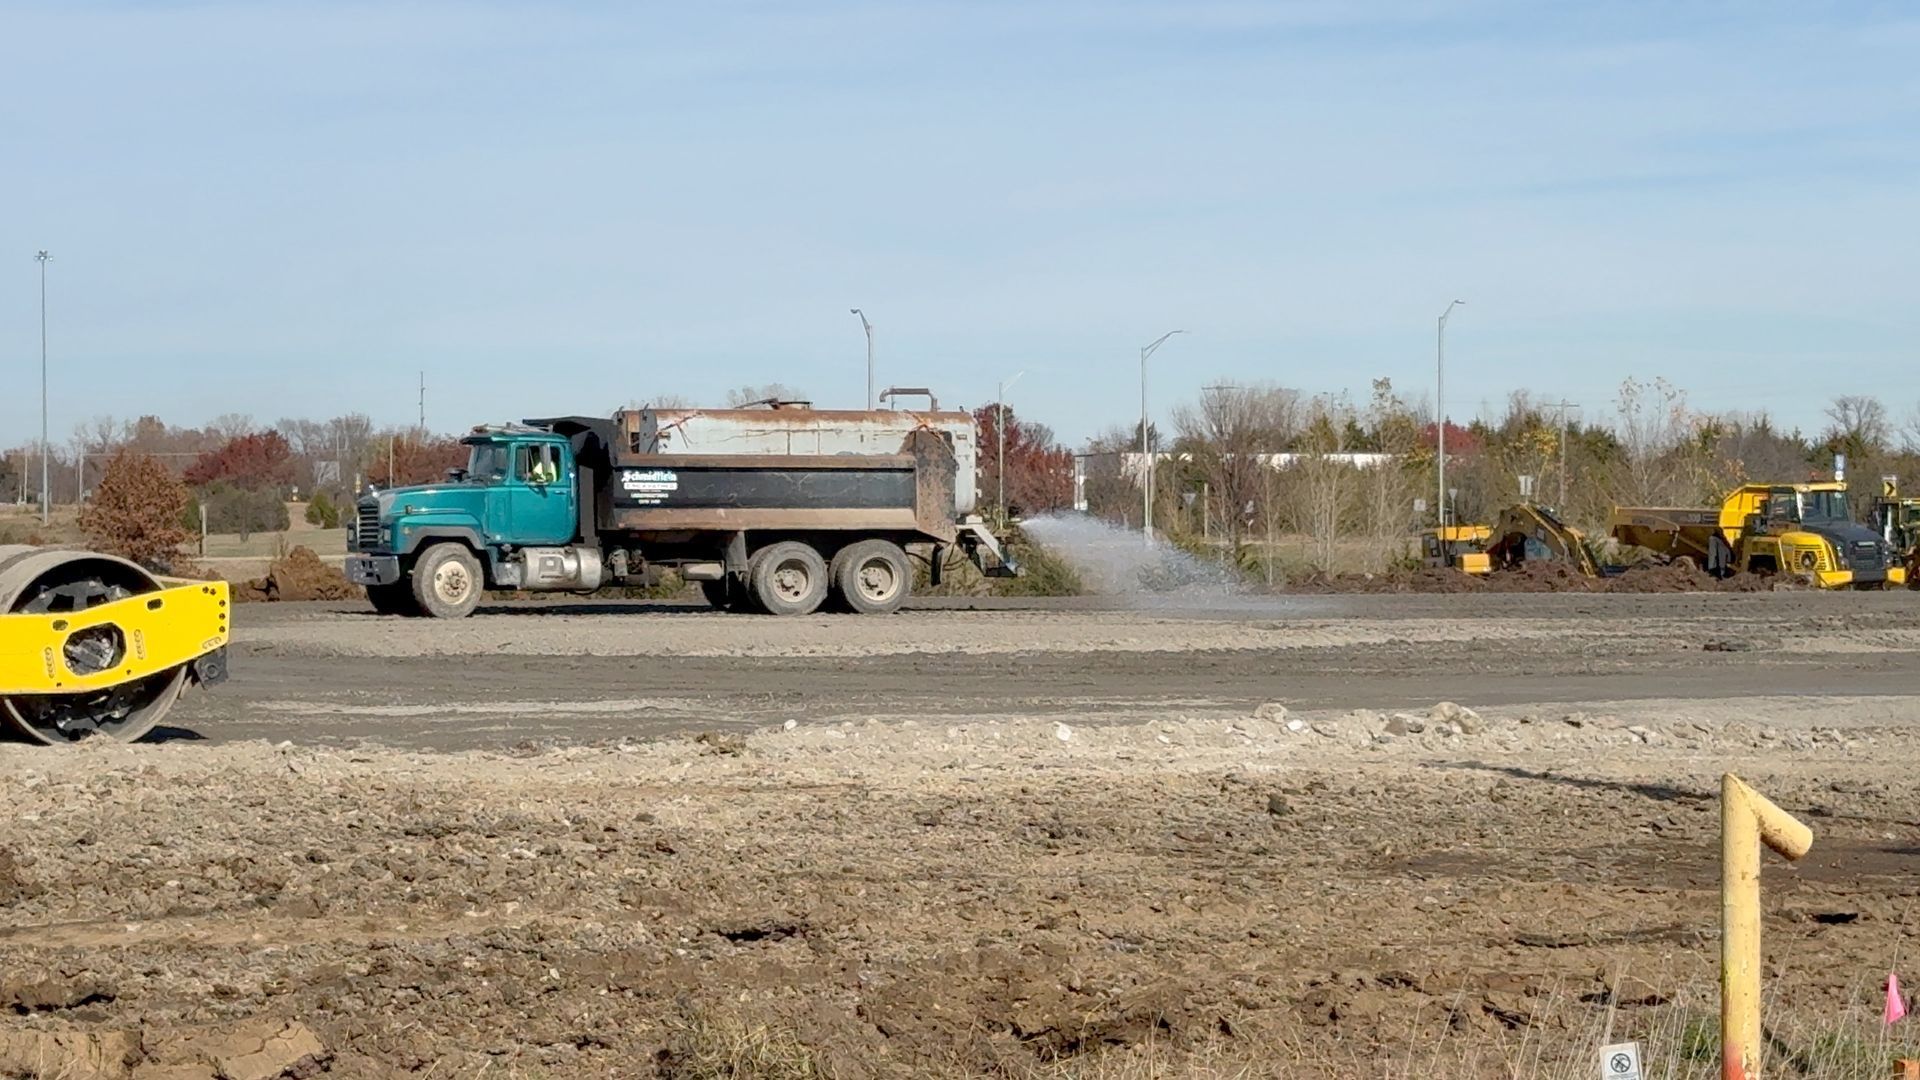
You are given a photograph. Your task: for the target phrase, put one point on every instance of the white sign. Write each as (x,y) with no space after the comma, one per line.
(1620,1061)
(649,487)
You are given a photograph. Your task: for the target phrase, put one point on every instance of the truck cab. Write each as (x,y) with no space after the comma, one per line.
(1807,530)
(505,520)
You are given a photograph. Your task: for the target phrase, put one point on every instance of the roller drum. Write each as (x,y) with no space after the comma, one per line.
(44,581)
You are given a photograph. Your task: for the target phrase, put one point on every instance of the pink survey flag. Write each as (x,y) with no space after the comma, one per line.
(1896,1005)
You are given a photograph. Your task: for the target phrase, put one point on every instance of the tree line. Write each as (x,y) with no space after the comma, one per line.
(1245,466)
(1242,467)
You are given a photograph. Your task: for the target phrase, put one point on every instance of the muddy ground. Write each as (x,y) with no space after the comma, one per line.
(1223,837)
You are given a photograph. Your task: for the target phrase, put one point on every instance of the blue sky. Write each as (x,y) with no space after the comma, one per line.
(292,208)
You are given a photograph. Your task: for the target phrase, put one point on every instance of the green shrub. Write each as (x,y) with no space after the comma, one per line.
(323,511)
(243,510)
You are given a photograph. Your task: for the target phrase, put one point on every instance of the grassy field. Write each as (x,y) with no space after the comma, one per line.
(226,553)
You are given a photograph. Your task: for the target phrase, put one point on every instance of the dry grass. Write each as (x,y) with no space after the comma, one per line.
(712,1044)
(21,525)
(1679,1039)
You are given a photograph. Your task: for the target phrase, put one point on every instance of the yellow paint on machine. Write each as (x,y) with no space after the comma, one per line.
(161,630)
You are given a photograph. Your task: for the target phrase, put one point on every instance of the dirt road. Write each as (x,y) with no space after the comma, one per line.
(594,672)
(1216,839)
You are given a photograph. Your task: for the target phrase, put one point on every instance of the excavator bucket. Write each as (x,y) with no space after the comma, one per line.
(1527,533)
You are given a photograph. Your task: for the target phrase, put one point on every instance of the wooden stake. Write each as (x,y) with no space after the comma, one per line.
(1747,820)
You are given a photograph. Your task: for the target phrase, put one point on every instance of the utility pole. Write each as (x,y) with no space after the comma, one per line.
(1440,414)
(1146,451)
(423,404)
(46,491)
(1563,405)
(868,327)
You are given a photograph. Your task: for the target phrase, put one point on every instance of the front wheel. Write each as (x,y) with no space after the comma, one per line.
(447,582)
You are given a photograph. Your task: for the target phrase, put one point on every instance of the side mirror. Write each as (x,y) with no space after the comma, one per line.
(456,475)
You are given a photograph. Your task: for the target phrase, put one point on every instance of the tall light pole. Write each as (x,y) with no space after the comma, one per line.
(868,327)
(1000,429)
(1146,452)
(1440,414)
(46,497)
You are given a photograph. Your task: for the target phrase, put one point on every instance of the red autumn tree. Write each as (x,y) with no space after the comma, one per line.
(410,459)
(136,511)
(257,461)
(1039,470)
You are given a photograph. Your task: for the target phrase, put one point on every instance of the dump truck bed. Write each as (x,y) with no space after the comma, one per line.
(1673,531)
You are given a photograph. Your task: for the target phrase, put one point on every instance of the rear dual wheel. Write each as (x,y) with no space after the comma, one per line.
(872,577)
(787,578)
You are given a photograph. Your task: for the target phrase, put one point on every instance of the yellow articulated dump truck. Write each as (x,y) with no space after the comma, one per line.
(1801,529)
(1457,547)
(93,645)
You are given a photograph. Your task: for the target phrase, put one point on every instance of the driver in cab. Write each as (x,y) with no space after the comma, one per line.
(544,469)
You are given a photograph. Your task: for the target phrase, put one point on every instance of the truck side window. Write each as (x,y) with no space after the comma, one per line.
(540,464)
(1780,507)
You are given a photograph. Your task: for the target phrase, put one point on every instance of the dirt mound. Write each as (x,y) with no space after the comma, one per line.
(1684,577)
(1544,576)
(298,575)
(1537,577)
(1422,580)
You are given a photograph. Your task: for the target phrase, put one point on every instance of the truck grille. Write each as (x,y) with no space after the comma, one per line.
(1866,555)
(366,528)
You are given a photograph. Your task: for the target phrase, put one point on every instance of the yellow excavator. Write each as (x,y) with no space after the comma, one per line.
(1456,547)
(1529,532)
(1522,533)
(95,646)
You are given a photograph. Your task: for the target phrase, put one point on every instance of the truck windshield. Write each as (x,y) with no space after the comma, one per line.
(488,462)
(1824,506)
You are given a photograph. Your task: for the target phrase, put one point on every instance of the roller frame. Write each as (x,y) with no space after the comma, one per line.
(165,629)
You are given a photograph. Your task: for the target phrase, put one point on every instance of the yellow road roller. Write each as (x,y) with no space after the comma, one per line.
(94,645)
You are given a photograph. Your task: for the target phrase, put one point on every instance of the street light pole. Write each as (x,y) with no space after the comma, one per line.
(46,497)
(1146,452)
(1000,430)
(868,327)
(1440,414)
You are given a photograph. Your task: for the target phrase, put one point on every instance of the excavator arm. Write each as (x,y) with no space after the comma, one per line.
(1526,532)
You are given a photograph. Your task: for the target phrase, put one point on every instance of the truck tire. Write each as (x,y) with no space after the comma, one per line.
(872,577)
(447,582)
(788,578)
(394,599)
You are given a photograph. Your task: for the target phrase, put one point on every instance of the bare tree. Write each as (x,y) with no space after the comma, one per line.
(1857,426)
(1325,479)
(1389,487)
(1653,424)
(231,426)
(1226,437)
(751,395)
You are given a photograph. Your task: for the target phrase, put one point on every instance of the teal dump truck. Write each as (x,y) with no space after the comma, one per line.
(778,509)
